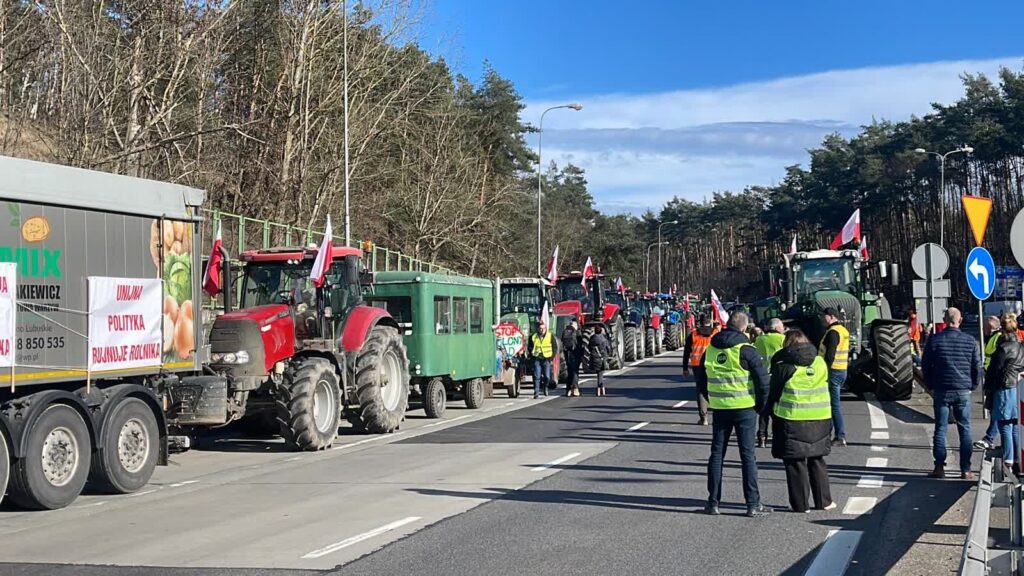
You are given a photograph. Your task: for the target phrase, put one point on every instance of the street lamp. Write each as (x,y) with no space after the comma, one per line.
(942,185)
(540,137)
(647,265)
(659,250)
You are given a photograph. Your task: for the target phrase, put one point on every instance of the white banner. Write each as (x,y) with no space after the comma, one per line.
(124,322)
(8,306)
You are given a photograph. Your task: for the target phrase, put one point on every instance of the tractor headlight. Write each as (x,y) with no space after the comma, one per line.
(241,357)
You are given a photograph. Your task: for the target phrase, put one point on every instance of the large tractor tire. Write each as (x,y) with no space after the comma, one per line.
(659,340)
(474,393)
(588,333)
(629,335)
(56,462)
(616,361)
(5,465)
(650,342)
(129,447)
(309,405)
(435,398)
(641,342)
(382,381)
(672,337)
(895,364)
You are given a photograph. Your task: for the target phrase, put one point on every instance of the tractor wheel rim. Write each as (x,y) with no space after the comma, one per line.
(60,456)
(323,406)
(390,381)
(133,445)
(439,396)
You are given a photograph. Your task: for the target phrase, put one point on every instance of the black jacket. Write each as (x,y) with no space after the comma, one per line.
(750,360)
(1005,366)
(795,438)
(600,348)
(572,341)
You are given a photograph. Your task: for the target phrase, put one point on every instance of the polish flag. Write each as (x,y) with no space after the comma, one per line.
(323,257)
(720,312)
(619,286)
(849,233)
(211,280)
(864,248)
(553,267)
(588,273)
(792,247)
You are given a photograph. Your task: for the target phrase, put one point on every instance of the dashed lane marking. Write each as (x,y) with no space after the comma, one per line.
(360,537)
(857,505)
(681,403)
(878,448)
(636,427)
(870,481)
(554,463)
(440,422)
(877,462)
(835,553)
(876,435)
(185,483)
(877,415)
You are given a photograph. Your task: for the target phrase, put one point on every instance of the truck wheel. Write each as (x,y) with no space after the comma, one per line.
(474,392)
(629,335)
(382,380)
(517,381)
(435,398)
(618,345)
(895,365)
(5,466)
(650,341)
(56,463)
(309,405)
(588,333)
(128,449)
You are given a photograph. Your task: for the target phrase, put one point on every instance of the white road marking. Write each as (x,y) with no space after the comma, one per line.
(879,435)
(835,553)
(439,422)
(185,483)
(681,403)
(360,537)
(877,462)
(870,481)
(878,448)
(509,403)
(92,505)
(636,427)
(365,440)
(877,415)
(857,505)
(143,493)
(554,463)
(294,458)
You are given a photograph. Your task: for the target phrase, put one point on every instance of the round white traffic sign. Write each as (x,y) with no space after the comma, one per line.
(930,261)
(1017,238)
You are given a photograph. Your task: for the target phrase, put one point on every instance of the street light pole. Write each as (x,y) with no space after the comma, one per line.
(540,140)
(647,265)
(659,250)
(942,185)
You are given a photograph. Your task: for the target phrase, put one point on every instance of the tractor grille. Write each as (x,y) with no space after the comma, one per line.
(849,308)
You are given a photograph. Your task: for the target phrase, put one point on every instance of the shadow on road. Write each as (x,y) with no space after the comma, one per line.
(618,501)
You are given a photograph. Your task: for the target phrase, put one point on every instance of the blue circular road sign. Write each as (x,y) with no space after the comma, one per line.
(981,273)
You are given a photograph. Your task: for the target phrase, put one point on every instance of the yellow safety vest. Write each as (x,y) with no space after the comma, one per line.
(990,347)
(768,344)
(842,359)
(730,386)
(543,347)
(805,395)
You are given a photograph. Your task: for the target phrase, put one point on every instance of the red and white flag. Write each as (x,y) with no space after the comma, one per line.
(864,248)
(673,291)
(588,273)
(545,317)
(552,276)
(619,286)
(211,280)
(323,257)
(792,247)
(720,312)
(849,233)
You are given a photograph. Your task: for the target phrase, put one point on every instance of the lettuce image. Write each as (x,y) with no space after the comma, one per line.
(178,276)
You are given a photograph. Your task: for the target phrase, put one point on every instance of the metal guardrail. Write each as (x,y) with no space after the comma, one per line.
(974,560)
(995,490)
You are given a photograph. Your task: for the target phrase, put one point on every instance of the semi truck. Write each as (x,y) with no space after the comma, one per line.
(109,364)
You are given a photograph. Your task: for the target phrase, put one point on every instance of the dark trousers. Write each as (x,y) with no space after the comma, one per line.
(702,402)
(541,375)
(762,425)
(744,421)
(807,474)
(574,360)
(600,378)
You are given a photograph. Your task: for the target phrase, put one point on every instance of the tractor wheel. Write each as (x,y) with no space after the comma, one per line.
(473,390)
(309,405)
(641,342)
(382,380)
(5,466)
(55,465)
(650,342)
(673,339)
(618,345)
(588,333)
(129,449)
(435,398)
(659,340)
(894,362)
(629,335)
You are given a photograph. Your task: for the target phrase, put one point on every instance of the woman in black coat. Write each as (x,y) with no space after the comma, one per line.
(801,443)
(600,350)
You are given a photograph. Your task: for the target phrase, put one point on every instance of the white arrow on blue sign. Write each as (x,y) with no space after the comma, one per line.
(981,273)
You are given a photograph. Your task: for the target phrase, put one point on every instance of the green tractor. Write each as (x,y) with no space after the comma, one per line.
(881,359)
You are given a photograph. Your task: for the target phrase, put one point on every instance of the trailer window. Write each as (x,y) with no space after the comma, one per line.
(476,315)
(400,308)
(442,315)
(461,315)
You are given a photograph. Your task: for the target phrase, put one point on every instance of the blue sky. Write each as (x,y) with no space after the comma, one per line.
(688,98)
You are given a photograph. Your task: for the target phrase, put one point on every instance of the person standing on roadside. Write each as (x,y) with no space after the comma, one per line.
(735,383)
(768,344)
(572,343)
(952,369)
(993,335)
(835,349)
(697,342)
(600,350)
(1001,377)
(543,350)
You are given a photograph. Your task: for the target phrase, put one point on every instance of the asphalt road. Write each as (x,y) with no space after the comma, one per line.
(588,485)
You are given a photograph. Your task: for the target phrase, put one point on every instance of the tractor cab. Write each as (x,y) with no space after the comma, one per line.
(586,300)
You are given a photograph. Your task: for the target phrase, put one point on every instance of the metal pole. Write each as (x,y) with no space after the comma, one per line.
(659,256)
(540,175)
(344,59)
(942,201)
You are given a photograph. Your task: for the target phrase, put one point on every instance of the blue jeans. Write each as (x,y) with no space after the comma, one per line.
(541,366)
(745,423)
(1008,433)
(836,379)
(959,401)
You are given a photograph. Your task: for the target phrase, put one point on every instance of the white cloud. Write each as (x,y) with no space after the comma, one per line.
(641,150)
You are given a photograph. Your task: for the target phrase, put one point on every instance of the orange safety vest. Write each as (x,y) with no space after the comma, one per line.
(699,345)
(915,331)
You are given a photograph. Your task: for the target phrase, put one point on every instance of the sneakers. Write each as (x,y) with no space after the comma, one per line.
(830,507)
(839,442)
(711,509)
(968,476)
(983,444)
(762,441)
(537,396)
(758,511)
(938,474)
(703,421)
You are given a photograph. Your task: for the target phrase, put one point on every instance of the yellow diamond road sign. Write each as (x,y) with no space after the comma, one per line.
(977,209)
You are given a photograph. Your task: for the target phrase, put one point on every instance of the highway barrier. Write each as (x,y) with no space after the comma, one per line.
(995,490)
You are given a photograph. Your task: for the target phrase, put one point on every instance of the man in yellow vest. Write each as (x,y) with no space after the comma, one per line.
(735,383)
(543,350)
(768,344)
(835,349)
(993,335)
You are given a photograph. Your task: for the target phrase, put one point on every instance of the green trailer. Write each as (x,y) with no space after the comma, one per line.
(448,325)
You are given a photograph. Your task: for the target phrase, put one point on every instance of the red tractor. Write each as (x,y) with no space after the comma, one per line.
(587,303)
(295,357)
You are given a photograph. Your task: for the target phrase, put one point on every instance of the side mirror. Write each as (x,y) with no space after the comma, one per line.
(894,274)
